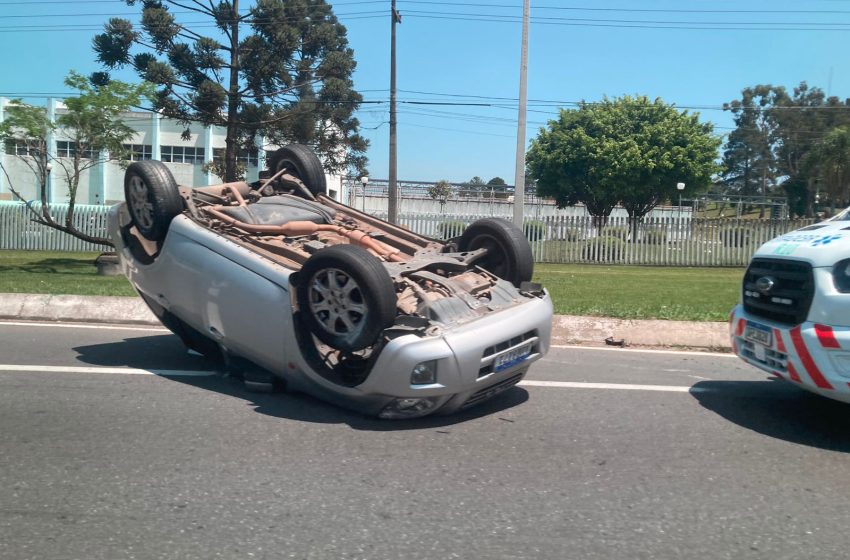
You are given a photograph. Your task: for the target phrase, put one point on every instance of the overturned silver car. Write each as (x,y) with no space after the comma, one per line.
(278,277)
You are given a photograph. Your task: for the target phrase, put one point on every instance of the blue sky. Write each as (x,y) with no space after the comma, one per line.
(468,52)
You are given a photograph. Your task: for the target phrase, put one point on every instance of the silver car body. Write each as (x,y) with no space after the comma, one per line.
(245,302)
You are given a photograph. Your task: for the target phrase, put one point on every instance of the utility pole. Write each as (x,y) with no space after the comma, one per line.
(392,206)
(519,176)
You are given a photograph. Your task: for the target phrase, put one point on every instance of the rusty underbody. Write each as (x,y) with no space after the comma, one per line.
(424,270)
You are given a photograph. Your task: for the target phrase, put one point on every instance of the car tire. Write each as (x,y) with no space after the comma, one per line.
(508,253)
(301,160)
(346,297)
(152,198)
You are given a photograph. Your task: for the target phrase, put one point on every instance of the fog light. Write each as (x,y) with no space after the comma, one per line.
(424,373)
(409,408)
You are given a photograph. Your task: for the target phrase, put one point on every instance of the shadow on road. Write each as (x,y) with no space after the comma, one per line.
(167,352)
(779,409)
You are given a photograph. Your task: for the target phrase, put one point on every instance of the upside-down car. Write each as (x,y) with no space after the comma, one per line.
(331,301)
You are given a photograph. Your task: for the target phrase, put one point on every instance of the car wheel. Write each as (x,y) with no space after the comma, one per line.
(152,198)
(303,163)
(346,297)
(508,252)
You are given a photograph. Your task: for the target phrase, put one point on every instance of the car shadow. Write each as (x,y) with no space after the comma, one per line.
(166,352)
(780,410)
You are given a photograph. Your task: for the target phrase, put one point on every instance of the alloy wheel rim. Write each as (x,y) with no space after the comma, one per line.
(140,202)
(336,301)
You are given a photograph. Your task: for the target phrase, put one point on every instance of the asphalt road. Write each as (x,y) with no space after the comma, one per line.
(99,461)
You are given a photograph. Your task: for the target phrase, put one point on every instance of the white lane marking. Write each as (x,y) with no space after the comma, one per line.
(201,373)
(615,386)
(81,326)
(110,370)
(640,350)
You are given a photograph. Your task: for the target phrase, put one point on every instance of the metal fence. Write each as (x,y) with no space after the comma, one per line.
(19,231)
(662,241)
(671,241)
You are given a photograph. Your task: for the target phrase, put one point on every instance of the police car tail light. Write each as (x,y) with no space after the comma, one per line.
(841,276)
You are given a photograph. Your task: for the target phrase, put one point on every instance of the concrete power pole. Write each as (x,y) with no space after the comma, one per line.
(519,176)
(392,205)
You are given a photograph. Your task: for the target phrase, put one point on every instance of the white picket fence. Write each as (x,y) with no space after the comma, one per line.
(19,231)
(661,241)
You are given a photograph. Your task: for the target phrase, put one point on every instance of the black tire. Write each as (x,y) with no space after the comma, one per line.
(508,252)
(346,297)
(152,198)
(303,163)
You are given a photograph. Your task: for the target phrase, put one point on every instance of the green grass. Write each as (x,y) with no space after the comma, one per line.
(633,292)
(39,272)
(642,292)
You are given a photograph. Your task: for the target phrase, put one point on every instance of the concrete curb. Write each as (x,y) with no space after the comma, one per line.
(86,309)
(566,329)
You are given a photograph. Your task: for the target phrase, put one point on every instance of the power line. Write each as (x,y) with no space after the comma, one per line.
(538,103)
(630,10)
(631,26)
(543,19)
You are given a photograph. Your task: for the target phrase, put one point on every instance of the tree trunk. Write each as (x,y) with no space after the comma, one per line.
(810,212)
(231,151)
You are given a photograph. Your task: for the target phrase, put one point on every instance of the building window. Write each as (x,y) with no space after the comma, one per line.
(138,152)
(20,148)
(245,156)
(67,149)
(181,154)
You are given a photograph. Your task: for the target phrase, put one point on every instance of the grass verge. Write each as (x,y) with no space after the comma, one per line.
(44,272)
(630,292)
(642,292)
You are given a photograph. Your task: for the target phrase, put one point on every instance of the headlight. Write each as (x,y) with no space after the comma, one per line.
(841,276)
(424,373)
(409,408)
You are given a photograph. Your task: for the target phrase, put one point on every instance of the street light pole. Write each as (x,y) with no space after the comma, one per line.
(365,181)
(392,201)
(519,174)
(680,187)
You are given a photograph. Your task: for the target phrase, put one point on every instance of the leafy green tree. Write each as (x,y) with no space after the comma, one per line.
(281,70)
(775,135)
(802,119)
(627,150)
(93,125)
(498,187)
(441,190)
(831,156)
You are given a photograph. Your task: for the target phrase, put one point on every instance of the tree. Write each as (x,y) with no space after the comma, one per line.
(288,78)
(498,187)
(474,187)
(749,165)
(831,156)
(441,190)
(776,131)
(627,150)
(95,132)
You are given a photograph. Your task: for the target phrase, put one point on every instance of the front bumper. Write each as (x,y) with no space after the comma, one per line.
(464,355)
(812,355)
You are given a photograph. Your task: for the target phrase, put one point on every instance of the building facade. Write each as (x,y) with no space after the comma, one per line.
(155,138)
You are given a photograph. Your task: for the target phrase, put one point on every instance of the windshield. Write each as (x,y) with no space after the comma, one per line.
(842,216)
